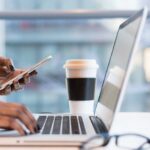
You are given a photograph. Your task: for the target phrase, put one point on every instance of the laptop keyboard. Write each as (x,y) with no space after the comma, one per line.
(48,125)
(41,121)
(66,125)
(74,124)
(61,125)
(82,125)
(57,125)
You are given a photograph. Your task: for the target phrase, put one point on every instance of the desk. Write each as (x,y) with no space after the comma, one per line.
(123,123)
(132,122)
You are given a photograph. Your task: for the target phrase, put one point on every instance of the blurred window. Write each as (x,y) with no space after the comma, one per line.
(28,41)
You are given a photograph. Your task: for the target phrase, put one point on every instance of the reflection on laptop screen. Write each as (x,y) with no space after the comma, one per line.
(118,63)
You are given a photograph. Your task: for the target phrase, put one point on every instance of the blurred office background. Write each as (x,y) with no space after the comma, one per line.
(27,41)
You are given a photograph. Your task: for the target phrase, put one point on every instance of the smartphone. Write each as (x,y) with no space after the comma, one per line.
(29,70)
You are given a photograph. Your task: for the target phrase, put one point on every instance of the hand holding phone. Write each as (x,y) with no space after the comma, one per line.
(11,81)
(16,85)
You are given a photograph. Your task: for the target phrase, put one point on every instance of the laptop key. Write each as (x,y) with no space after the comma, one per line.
(41,121)
(82,127)
(74,125)
(48,125)
(57,125)
(65,125)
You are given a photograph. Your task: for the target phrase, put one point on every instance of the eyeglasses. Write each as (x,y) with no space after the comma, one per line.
(130,141)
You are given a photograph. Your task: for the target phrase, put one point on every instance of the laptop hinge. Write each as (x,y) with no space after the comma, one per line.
(98,125)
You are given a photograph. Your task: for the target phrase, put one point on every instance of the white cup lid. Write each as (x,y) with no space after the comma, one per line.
(81,63)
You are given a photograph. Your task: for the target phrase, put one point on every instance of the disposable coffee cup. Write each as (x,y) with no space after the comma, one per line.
(80,83)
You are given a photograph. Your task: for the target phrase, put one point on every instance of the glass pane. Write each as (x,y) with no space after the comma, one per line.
(75,4)
(28,41)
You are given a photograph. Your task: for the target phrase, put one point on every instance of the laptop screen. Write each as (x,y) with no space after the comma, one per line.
(119,61)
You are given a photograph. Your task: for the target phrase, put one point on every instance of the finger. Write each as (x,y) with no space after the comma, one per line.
(34,72)
(4,71)
(11,123)
(6,91)
(21,115)
(16,86)
(14,124)
(18,114)
(25,79)
(8,63)
(29,114)
(13,74)
(24,115)
(3,80)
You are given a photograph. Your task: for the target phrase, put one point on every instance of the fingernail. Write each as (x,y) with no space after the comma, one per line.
(38,127)
(25,133)
(17,86)
(11,67)
(8,90)
(32,131)
(35,129)
(26,80)
(7,71)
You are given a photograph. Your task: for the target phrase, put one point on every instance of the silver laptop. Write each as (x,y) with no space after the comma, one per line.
(67,129)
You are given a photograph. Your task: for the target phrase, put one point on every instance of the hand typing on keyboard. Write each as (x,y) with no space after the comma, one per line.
(10,113)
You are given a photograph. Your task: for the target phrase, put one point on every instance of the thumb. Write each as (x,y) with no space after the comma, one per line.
(4,71)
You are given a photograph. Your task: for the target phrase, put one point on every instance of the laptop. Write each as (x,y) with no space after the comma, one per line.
(70,130)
